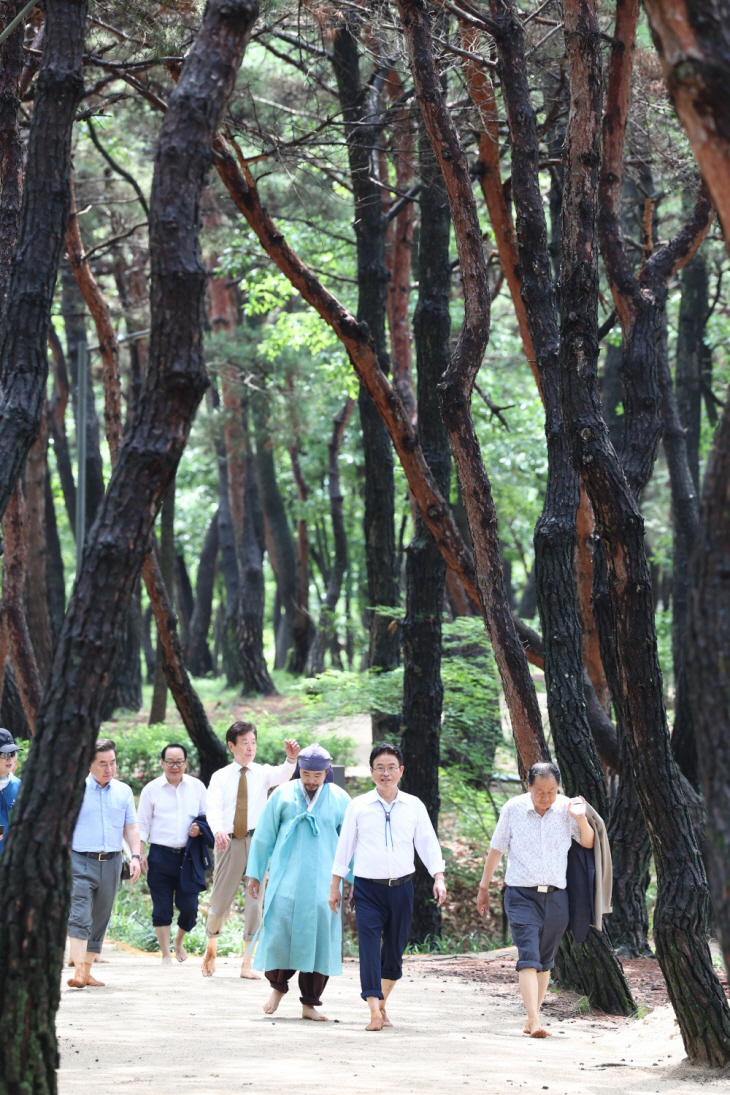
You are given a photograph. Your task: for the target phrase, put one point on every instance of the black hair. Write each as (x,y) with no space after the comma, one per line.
(174,745)
(543,770)
(385,747)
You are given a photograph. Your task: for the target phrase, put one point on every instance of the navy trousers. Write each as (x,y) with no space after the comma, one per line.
(383,915)
(163,878)
(538,922)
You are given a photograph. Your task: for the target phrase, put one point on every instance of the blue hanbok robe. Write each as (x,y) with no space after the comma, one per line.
(299,931)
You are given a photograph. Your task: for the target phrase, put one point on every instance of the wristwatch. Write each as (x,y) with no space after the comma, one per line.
(135,856)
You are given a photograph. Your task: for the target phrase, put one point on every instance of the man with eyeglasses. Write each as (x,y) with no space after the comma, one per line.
(168,807)
(381,829)
(107,816)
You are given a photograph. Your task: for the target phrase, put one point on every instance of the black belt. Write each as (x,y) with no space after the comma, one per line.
(390,881)
(249,833)
(541,889)
(101,856)
(177,851)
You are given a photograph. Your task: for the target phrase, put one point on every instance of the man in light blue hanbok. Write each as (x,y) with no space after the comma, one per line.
(298,833)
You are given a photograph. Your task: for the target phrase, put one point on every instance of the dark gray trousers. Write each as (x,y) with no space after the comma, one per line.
(538,922)
(94,886)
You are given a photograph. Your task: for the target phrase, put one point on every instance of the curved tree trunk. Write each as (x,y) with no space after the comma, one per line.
(35,876)
(680,918)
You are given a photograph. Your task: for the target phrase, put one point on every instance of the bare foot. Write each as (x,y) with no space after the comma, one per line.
(167,960)
(376,1022)
(308,1012)
(78,981)
(180,953)
(247,971)
(208,967)
(93,983)
(104,961)
(384,1017)
(273,1002)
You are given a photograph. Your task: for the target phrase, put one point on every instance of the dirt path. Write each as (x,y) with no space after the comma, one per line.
(171,1032)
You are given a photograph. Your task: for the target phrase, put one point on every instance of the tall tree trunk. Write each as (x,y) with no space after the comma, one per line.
(68,722)
(590,966)
(57,424)
(56,583)
(37,606)
(303,629)
(229,568)
(456,388)
(361,110)
(423,690)
(158,708)
(17,636)
(41,227)
(326,625)
(198,656)
(11,153)
(680,917)
(250,626)
(184,600)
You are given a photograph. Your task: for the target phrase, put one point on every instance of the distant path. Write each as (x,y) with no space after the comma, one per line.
(171,1032)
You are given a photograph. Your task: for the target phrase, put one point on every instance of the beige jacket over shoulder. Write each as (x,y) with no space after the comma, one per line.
(604,868)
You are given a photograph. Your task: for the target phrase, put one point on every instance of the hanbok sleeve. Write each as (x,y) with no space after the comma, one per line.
(264,838)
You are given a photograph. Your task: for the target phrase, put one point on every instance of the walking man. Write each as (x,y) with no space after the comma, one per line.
(9,782)
(537,828)
(298,833)
(236,796)
(107,815)
(381,829)
(168,806)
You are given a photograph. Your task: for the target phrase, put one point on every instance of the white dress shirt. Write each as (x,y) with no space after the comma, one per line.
(223,792)
(385,850)
(538,846)
(166,811)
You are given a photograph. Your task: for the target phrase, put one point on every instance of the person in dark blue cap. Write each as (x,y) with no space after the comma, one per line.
(9,783)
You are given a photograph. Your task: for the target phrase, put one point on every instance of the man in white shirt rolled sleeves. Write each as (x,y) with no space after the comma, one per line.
(167,810)
(538,829)
(381,830)
(236,797)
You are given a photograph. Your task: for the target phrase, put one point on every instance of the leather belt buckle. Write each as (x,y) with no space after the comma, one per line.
(543,889)
(393,882)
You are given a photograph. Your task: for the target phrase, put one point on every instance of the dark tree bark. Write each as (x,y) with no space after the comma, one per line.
(125,691)
(68,722)
(423,690)
(11,708)
(37,603)
(198,657)
(184,599)
(361,112)
(56,583)
(456,387)
(57,424)
(303,628)
(591,966)
(709,658)
(680,917)
(41,227)
(13,620)
(326,627)
(249,627)
(166,558)
(229,568)
(11,153)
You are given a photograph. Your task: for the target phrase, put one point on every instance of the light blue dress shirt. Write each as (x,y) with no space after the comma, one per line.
(104,813)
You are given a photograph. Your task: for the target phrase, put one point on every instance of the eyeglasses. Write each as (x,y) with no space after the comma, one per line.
(175,763)
(390,769)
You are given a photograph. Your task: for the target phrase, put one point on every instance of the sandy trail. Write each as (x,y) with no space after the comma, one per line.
(169,1031)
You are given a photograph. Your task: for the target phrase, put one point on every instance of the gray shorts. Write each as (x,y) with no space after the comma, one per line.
(538,922)
(94,885)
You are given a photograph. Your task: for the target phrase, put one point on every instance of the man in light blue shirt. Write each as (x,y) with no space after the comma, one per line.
(107,815)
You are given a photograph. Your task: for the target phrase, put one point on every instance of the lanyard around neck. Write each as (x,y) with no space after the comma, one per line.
(388,825)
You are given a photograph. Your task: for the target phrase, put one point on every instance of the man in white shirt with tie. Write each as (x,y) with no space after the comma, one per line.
(381,830)
(236,797)
(167,810)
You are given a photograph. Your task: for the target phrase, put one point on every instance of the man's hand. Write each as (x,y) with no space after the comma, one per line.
(222,840)
(194,829)
(135,869)
(335,898)
(483,899)
(577,807)
(439,888)
(144,865)
(292,748)
(253,888)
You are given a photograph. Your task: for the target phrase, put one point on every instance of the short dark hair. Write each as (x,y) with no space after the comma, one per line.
(174,745)
(104,745)
(543,770)
(385,747)
(236,729)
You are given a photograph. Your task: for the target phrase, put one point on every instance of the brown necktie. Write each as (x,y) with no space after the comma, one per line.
(240,818)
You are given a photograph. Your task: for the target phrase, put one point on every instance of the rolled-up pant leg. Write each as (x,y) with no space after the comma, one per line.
(383,915)
(311,986)
(538,922)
